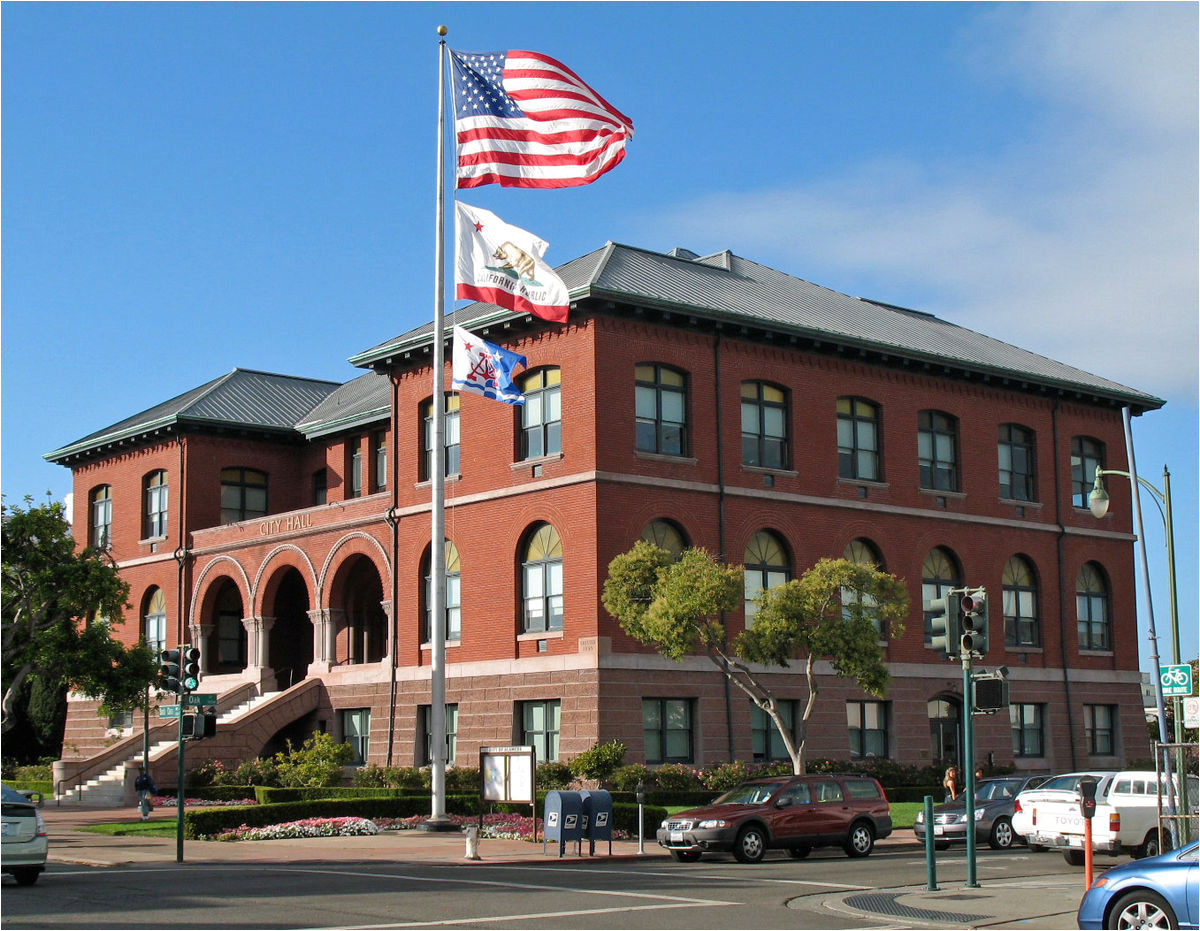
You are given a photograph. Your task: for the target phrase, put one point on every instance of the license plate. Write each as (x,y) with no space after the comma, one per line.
(677,837)
(1075,841)
(8,829)
(938,829)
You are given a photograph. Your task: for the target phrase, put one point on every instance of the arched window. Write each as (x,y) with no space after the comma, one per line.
(541,414)
(243,494)
(863,553)
(1016,455)
(665,535)
(1019,595)
(154,487)
(766,565)
(939,574)
(858,440)
(100,515)
(1087,455)
(542,581)
(1091,607)
(452,606)
(937,450)
(154,620)
(661,409)
(764,425)
(450,438)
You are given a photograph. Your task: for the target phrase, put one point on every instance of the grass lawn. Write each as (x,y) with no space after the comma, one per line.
(160,827)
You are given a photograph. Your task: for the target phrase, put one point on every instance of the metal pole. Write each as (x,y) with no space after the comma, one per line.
(179,791)
(930,859)
(1173,595)
(968,756)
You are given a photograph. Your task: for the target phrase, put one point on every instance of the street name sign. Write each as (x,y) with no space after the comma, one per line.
(197,699)
(1176,680)
(168,711)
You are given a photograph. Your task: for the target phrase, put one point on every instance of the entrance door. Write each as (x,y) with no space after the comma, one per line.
(945,723)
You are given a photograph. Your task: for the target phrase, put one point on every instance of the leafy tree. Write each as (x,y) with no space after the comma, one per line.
(829,613)
(59,607)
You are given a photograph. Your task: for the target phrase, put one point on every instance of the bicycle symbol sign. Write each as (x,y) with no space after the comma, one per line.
(1176,680)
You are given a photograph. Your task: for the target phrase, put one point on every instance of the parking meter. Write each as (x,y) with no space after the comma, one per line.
(1087,794)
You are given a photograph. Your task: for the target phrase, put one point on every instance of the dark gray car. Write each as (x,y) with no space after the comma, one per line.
(993,814)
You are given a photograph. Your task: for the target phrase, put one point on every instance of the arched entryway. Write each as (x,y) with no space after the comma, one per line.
(945,730)
(290,641)
(360,622)
(225,639)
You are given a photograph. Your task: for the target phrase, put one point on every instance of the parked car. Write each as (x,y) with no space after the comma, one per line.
(994,799)
(792,813)
(23,851)
(1158,892)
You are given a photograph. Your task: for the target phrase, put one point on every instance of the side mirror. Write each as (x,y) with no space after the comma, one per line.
(784,802)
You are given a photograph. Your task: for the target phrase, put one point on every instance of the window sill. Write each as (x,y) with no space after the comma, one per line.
(1020,648)
(1018,503)
(540,460)
(428,483)
(767,470)
(449,644)
(665,457)
(540,635)
(151,540)
(934,492)
(869,482)
(1086,652)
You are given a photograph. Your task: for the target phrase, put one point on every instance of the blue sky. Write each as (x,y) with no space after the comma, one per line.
(189,188)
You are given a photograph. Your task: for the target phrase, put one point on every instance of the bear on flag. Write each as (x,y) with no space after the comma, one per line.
(502,264)
(484,368)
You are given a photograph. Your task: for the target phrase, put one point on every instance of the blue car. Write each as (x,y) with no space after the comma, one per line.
(1158,892)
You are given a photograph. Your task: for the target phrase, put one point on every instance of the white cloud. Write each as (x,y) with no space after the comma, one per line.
(1078,242)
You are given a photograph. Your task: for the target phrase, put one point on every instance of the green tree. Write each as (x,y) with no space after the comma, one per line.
(59,607)
(830,613)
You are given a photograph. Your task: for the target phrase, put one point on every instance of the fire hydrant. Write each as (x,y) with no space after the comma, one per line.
(472,833)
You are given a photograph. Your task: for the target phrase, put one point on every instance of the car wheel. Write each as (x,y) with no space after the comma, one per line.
(1074,857)
(686,856)
(1003,836)
(861,840)
(1150,847)
(799,853)
(1141,909)
(26,877)
(941,845)
(751,845)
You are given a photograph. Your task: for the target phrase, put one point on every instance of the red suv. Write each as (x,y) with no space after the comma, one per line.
(792,813)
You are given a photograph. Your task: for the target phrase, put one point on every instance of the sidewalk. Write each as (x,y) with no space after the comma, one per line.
(1031,902)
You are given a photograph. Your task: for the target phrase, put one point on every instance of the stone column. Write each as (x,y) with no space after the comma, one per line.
(258,630)
(323,632)
(199,634)
(390,631)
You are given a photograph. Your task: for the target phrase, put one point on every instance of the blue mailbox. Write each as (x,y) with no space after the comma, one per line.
(564,819)
(597,815)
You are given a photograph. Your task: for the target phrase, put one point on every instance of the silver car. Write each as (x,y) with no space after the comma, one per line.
(24,838)
(993,814)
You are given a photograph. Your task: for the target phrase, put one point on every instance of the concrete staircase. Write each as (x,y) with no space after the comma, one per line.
(108,788)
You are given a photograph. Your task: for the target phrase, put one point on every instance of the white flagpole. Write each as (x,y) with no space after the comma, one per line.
(437,473)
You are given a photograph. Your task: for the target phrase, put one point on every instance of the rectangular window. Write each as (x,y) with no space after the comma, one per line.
(541,414)
(1099,722)
(660,396)
(764,735)
(1087,455)
(867,722)
(937,450)
(381,460)
(667,725)
(1027,729)
(243,494)
(539,724)
(427,734)
(230,640)
(1015,455)
(858,440)
(356,731)
(156,631)
(100,505)
(354,488)
(764,425)
(121,720)
(156,505)
(450,439)
(320,486)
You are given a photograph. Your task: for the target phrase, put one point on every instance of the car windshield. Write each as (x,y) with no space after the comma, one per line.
(752,793)
(1064,783)
(12,795)
(998,789)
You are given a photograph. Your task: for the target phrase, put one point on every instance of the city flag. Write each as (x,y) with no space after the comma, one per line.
(502,265)
(525,120)
(484,368)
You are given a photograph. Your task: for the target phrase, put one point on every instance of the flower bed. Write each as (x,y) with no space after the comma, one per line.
(169,801)
(309,827)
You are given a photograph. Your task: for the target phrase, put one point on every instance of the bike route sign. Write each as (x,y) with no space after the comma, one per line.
(1176,680)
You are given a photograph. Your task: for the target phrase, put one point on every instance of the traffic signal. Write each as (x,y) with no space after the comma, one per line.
(168,670)
(192,726)
(991,694)
(191,668)
(210,722)
(973,622)
(945,637)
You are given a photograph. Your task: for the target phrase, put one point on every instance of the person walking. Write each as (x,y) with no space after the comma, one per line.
(950,784)
(146,789)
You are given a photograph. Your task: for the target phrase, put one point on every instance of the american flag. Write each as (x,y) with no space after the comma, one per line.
(526,120)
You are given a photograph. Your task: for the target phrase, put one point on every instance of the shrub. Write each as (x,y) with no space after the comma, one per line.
(626,778)
(391,777)
(461,780)
(553,775)
(256,772)
(672,777)
(725,776)
(318,762)
(599,762)
(208,773)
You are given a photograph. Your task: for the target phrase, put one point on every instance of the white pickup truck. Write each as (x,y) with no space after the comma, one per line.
(1126,819)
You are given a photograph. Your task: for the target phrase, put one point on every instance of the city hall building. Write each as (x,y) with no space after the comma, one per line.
(282,525)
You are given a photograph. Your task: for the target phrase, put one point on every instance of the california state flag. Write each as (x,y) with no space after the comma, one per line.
(502,264)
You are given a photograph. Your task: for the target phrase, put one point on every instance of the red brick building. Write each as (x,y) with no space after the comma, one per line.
(283,525)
